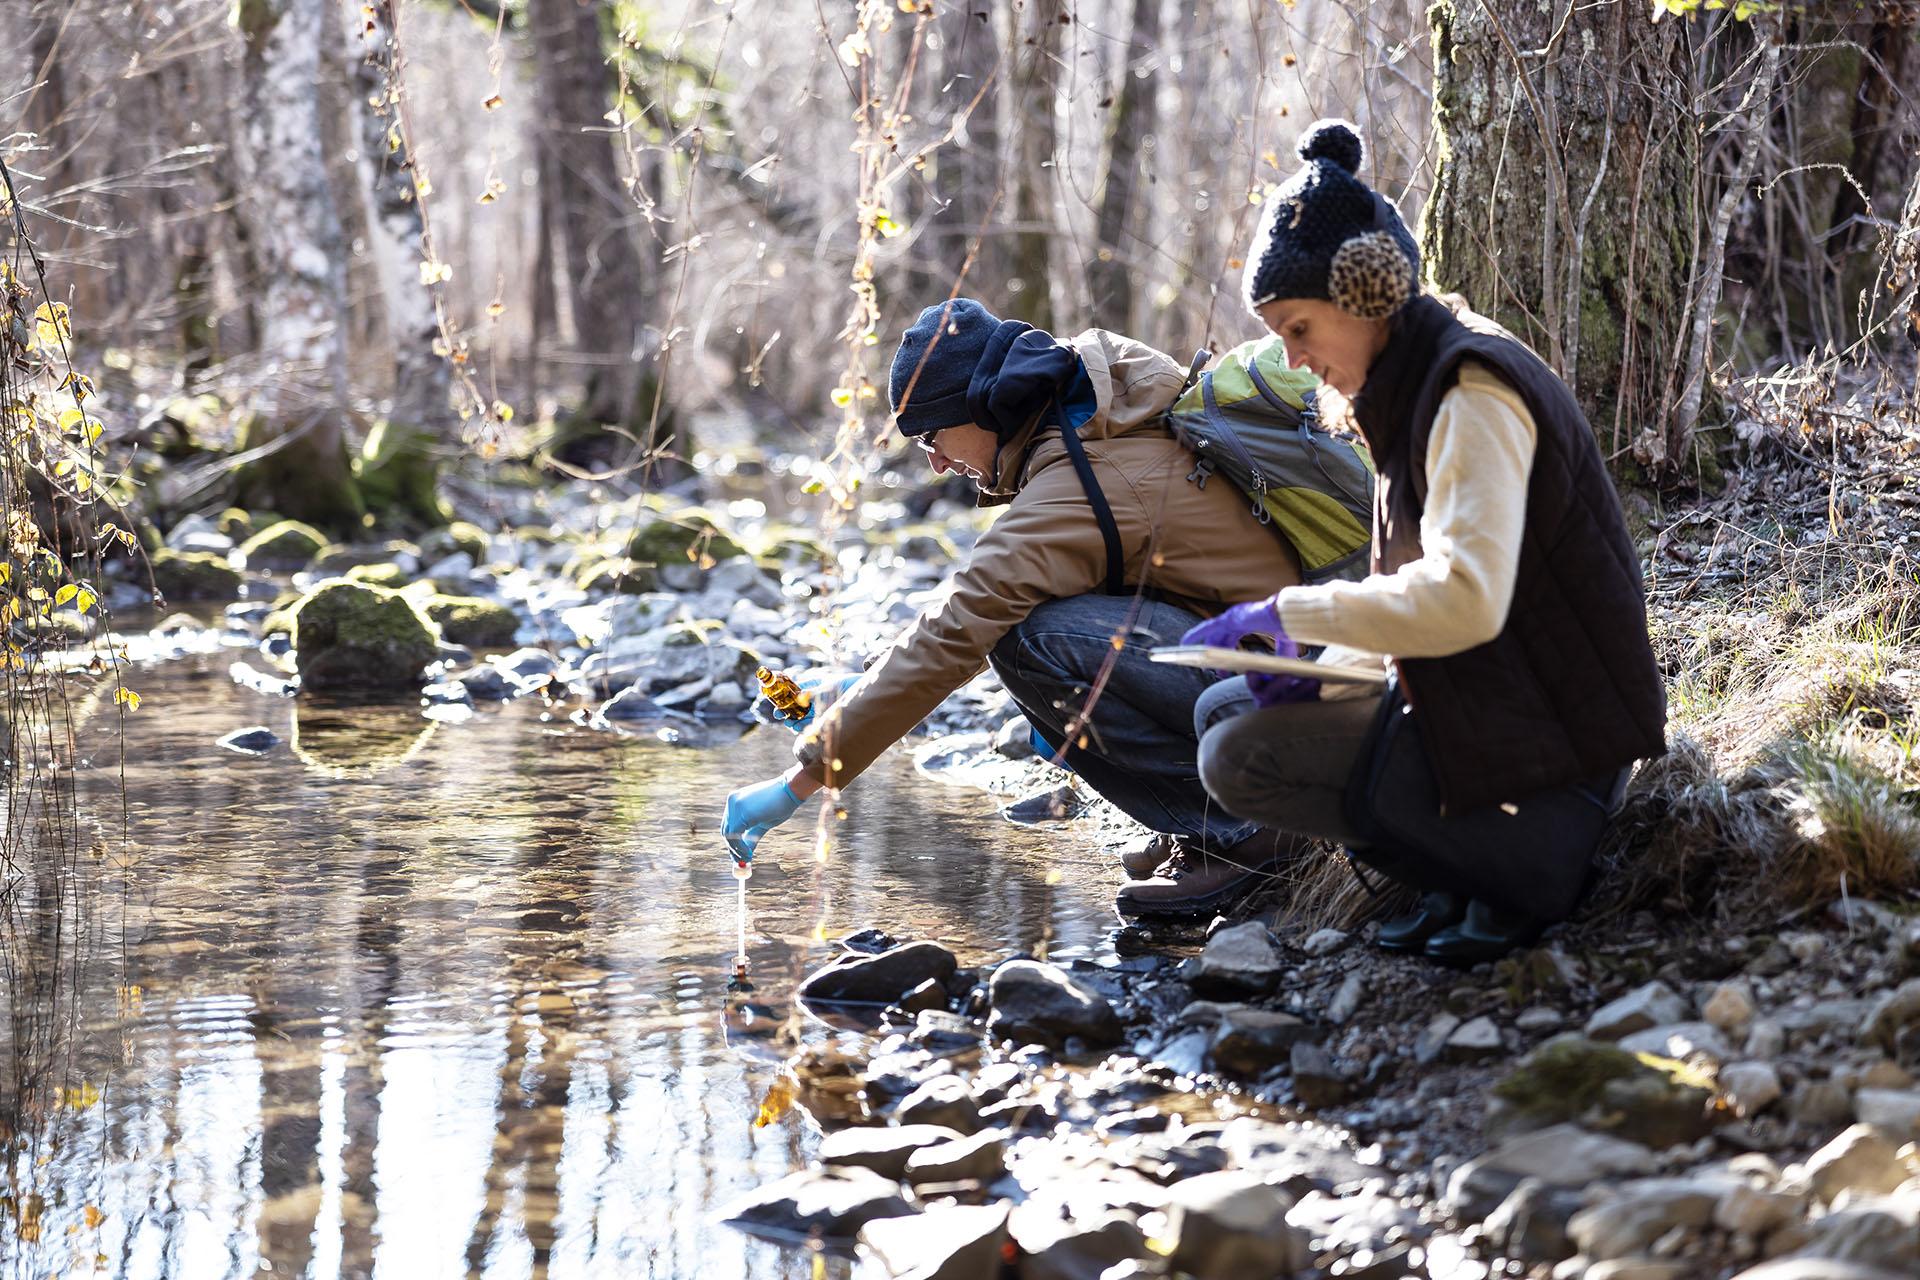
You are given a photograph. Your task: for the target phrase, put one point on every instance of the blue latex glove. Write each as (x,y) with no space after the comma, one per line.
(1256,618)
(825,688)
(754,811)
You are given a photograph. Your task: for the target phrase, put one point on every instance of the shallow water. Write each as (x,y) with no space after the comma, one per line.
(409,1000)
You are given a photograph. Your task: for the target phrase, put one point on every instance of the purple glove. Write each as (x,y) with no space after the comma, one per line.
(1270,690)
(1257,618)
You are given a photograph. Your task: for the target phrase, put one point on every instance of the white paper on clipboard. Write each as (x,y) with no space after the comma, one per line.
(1240,660)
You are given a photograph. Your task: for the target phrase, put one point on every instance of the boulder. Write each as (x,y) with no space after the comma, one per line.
(1751,1087)
(1053,1248)
(982,1157)
(1875,1231)
(1238,960)
(1250,1042)
(947,1242)
(880,979)
(1648,1006)
(1230,1226)
(1857,1160)
(194,575)
(286,545)
(1040,1003)
(831,1204)
(882,1149)
(347,635)
(1563,1155)
(476,623)
(1531,1222)
(690,540)
(1755,1212)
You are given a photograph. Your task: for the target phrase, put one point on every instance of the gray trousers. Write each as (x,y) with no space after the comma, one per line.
(1284,767)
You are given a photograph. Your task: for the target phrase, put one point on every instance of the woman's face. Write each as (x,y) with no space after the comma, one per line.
(1319,336)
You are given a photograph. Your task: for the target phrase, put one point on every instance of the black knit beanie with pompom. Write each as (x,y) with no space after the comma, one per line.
(1327,235)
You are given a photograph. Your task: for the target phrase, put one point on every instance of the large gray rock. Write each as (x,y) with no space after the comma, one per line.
(979,1158)
(1232,1226)
(880,979)
(1756,1212)
(1642,1212)
(948,1242)
(1857,1160)
(1651,1005)
(1874,1231)
(833,1204)
(1895,1112)
(631,705)
(1238,960)
(1531,1222)
(1042,1004)
(882,1149)
(1055,1248)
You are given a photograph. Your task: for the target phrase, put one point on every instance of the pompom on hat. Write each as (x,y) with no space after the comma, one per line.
(1327,235)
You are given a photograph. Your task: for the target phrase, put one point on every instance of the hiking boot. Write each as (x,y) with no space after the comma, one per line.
(1436,911)
(1194,881)
(1142,858)
(1486,933)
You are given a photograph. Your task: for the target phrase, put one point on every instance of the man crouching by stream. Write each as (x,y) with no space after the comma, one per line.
(1051,587)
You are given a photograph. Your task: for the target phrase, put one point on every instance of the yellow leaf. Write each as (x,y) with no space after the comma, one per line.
(93,1216)
(36,594)
(84,600)
(83,482)
(63,467)
(776,1104)
(79,1098)
(70,418)
(66,593)
(503,411)
(841,397)
(6,574)
(127,698)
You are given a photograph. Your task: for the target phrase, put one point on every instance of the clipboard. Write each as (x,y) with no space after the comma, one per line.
(1240,660)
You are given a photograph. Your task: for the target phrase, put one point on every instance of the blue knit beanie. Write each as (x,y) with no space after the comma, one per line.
(935,362)
(1327,235)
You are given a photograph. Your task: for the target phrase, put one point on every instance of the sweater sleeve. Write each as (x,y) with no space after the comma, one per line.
(1456,595)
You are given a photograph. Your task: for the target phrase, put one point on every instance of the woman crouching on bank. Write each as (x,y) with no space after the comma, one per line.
(1504,600)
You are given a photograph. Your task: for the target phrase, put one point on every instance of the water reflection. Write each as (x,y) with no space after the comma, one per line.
(406,1000)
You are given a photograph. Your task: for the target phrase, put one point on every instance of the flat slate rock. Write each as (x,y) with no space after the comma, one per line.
(880,979)
(832,1204)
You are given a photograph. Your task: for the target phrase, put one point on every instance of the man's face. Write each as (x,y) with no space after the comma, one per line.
(967,450)
(1320,337)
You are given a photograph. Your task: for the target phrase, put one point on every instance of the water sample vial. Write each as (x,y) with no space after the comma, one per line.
(790,701)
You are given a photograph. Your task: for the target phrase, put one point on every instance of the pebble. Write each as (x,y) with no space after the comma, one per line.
(1755,1212)
(1474,1042)
(1250,1041)
(880,979)
(1317,1081)
(1895,1112)
(1751,1087)
(1766,1039)
(1324,942)
(1680,1040)
(1652,1005)
(1540,1020)
(1346,1001)
(1565,1155)
(1820,1104)
(979,1158)
(255,741)
(1729,1007)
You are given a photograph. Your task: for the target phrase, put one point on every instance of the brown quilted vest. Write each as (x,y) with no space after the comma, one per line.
(1569,690)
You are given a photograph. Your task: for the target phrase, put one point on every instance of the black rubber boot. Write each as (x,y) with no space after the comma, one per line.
(1437,911)
(1487,933)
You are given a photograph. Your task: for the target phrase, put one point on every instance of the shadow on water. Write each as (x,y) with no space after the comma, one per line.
(406,999)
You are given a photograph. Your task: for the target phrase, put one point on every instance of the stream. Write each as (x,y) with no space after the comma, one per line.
(408,999)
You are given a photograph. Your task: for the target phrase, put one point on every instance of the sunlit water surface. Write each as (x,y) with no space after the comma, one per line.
(406,1000)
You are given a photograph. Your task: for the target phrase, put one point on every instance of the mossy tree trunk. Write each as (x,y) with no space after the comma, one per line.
(299,417)
(1111,279)
(400,462)
(1563,204)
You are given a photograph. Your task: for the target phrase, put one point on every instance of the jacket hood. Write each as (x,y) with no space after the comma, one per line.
(1106,386)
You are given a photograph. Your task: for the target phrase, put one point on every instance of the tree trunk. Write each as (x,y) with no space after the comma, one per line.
(610,285)
(1030,282)
(398,466)
(967,169)
(300,410)
(1563,202)
(1113,287)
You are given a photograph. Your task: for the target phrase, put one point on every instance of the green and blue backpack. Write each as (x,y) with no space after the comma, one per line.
(1252,420)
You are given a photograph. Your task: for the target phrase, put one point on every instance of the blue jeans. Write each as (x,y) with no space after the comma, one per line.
(1141,750)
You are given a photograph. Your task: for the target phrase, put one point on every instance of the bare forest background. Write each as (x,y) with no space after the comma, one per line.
(602,234)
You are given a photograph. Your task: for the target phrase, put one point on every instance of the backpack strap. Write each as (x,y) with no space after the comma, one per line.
(1097,499)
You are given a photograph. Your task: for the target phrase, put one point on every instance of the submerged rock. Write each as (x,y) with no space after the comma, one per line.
(1040,1004)
(253,742)
(880,979)
(631,704)
(351,636)
(831,1204)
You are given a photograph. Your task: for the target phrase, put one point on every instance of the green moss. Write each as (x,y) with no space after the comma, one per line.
(194,575)
(618,576)
(348,635)
(681,541)
(390,576)
(477,623)
(1604,1087)
(398,475)
(286,545)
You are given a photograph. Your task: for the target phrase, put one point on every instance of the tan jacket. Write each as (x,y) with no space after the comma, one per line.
(1201,547)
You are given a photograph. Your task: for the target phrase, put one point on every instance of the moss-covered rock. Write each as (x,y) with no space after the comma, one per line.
(340,557)
(390,576)
(685,540)
(194,575)
(456,537)
(286,545)
(471,621)
(235,523)
(1603,1087)
(618,576)
(349,635)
